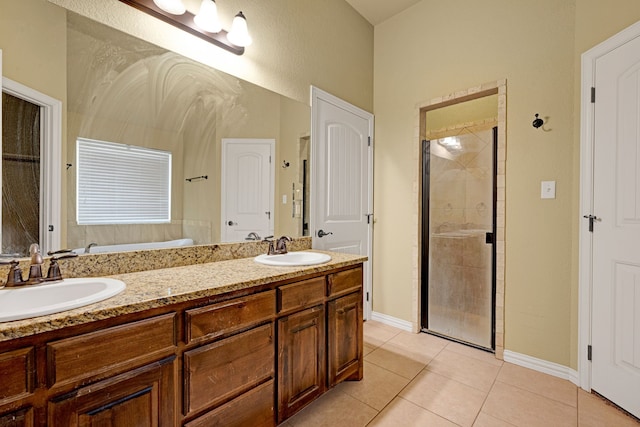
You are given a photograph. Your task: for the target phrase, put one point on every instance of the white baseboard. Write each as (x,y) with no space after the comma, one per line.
(392,321)
(543,366)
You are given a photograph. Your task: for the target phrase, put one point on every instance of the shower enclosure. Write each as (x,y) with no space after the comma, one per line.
(458,235)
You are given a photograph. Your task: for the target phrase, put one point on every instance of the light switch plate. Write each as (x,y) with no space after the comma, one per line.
(548,190)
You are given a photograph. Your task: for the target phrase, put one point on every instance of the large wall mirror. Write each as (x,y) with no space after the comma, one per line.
(126,91)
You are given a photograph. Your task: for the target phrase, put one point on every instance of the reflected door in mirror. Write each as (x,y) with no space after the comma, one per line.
(247,188)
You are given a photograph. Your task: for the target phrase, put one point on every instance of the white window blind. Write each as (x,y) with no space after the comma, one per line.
(122,184)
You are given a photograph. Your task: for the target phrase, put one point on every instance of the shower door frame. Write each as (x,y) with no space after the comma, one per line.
(425,237)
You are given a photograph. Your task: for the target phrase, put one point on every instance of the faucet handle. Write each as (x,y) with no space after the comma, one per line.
(54,272)
(14,278)
(60,251)
(269,240)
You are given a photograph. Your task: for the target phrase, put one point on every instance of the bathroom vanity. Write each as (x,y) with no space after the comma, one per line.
(223,343)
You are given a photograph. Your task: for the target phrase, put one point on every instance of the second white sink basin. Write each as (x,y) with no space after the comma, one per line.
(292,259)
(48,298)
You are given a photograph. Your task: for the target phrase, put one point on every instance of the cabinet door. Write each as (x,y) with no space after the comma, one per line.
(142,397)
(301,362)
(20,418)
(344,343)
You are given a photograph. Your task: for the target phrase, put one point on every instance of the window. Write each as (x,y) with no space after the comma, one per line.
(122,184)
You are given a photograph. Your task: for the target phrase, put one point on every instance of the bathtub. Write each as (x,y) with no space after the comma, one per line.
(136,246)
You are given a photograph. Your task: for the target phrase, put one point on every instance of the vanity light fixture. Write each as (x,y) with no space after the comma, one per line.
(174,7)
(207,18)
(204,25)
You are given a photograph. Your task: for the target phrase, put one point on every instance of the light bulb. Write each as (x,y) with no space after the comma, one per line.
(174,7)
(207,18)
(239,35)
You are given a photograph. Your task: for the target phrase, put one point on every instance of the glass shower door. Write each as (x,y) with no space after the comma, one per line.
(460,288)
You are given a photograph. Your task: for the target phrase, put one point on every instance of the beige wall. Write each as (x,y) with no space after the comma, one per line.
(44,68)
(295,43)
(450,46)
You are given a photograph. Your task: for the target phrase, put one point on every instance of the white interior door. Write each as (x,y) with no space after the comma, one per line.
(247,188)
(342,185)
(616,233)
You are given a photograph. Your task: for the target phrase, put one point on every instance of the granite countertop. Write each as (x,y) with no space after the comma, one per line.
(157,288)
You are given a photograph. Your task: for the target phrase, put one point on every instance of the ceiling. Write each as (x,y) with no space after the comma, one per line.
(377,11)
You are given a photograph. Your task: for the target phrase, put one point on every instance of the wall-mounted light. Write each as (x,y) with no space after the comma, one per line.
(205,24)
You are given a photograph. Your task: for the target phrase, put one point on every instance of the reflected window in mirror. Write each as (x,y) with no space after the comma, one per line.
(20,174)
(122,184)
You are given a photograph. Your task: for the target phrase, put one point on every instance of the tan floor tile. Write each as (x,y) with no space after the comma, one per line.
(399,360)
(334,409)
(421,343)
(481,355)
(376,333)
(485,420)
(596,412)
(377,388)
(545,385)
(524,408)
(367,348)
(467,370)
(401,412)
(448,398)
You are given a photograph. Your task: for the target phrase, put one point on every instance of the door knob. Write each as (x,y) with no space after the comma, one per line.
(322,233)
(232,223)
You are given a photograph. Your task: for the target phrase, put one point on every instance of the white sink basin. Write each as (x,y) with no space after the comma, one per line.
(31,301)
(291,259)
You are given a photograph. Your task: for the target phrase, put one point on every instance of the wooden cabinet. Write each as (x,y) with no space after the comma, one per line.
(142,397)
(253,357)
(17,374)
(344,326)
(344,339)
(301,361)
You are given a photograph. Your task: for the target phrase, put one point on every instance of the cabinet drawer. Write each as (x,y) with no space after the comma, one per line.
(254,408)
(301,294)
(17,373)
(229,316)
(218,372)
(345,281)
(109,351)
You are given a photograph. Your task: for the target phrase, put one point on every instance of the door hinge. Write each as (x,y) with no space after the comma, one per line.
(269,159)
(367,296)
(593,95)
(589,352)
(369,141)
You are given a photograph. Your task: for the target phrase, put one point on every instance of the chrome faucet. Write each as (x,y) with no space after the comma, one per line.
(252,236)
(87,249)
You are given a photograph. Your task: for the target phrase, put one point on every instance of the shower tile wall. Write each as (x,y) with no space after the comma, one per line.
(461,202)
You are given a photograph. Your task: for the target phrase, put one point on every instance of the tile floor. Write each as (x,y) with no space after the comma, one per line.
(422,380)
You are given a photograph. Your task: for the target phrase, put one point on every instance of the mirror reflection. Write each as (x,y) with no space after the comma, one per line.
(126,91)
